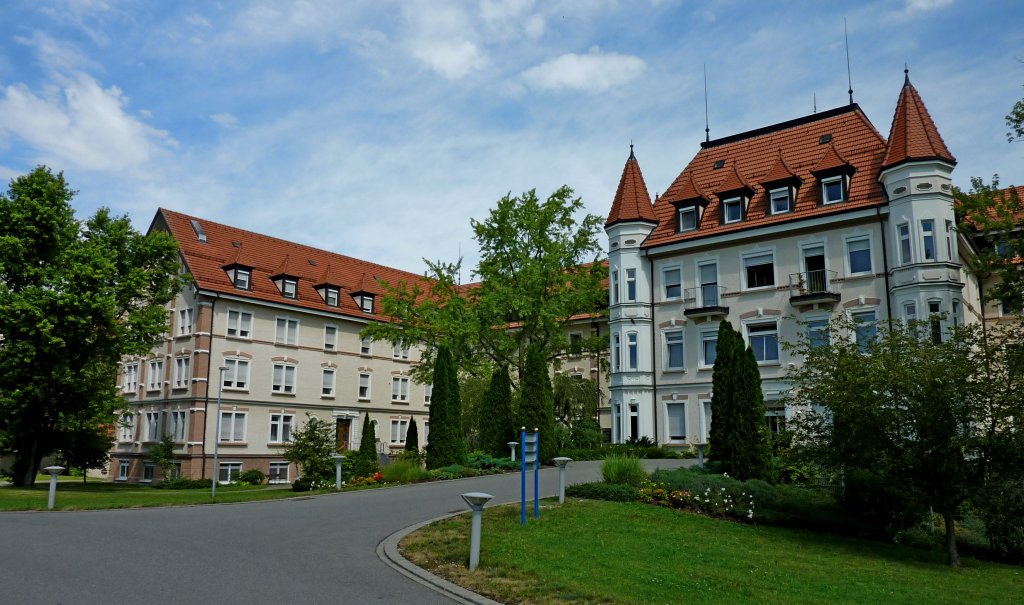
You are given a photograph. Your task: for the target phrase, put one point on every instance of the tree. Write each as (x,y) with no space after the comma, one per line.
(723,397)
(994,219)
(496,424)
(1015,120)
(575,401)
(162,455)
(412,438)
(366,458)
(536,402)
(311,449)
(74,298)
(447,444)
(86,446)
(751,457)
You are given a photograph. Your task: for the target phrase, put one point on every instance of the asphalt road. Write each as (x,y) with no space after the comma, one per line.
(315,550)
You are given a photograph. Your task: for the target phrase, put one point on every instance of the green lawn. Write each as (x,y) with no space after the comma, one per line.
(605,552)
(92,495)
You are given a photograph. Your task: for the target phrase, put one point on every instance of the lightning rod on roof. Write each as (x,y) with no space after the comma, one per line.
(815,101)
(849,78)
(707,129)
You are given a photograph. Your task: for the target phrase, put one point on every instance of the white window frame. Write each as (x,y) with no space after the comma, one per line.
(666,335)
(330,337)
(615,286)
(185,317)
(286,331)
(681,405)
(633,351)
(332,296)
(182,371)
(231,426)
(234,379)
(773,195)
(761,332)
(179,425)
(616,352)
(631,285)
(363,391)
(825,201)
(126,428)
(951,251)
(428,393)
(239,324)
(399,430)
(819,325)
(366,346)
(400,351)
(854,239)
(151,427)
(280,428)
(366,303)
(123,466)
(234,469)
(276,465)
(727,204)
(130,378)
(328,378)
(905,243)
(154,374)
(666,284)
(748,256)
(284,378)
(242,278)
(290,287)
(680,225)
(400,389)
(701,285)
(705,337)
(928,236)
(856,334)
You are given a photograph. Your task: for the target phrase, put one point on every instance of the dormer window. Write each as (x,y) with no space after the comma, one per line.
(366,303)
(781,200)
(833,190)
(732,210)
(290,287)
(687,219)
(242,278)
(331,296)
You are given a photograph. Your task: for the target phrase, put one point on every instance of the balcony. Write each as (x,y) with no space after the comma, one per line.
(813,288)
(704,301)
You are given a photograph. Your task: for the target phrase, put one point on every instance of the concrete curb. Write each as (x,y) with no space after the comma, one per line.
(389,552)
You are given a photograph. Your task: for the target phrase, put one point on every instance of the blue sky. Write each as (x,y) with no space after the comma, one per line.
(378,129)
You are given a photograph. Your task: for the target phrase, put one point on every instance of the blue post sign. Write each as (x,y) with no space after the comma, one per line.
(530,446)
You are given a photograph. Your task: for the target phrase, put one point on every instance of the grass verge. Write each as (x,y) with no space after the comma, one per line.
(75,496)
(610,552)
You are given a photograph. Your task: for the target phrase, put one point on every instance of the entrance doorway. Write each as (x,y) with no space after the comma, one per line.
(344,433)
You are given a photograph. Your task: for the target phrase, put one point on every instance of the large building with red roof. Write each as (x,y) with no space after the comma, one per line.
(777,230)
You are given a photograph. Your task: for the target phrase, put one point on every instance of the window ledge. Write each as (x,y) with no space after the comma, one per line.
(236,337)
(398,402)
(674,370)
(327,397)
(774,362)
(282,394)
(290,345)
(234,444)
(183,336)
(363,399)
(278,443)
(181,388)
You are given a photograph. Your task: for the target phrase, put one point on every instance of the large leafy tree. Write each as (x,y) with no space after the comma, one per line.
(994,219)
(311,449)
(538,268)
(447,444)
(536,402)
(74,298)
(496,422)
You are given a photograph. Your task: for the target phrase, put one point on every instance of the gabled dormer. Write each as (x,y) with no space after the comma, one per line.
(286,278)
(239,268)
(366,292)
(689,204)
(734,194)
(781,186)
(833,173)
(329,287)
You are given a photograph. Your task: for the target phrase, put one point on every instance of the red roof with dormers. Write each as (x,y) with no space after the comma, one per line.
(913,135)
(733,181)
(268,256)
(632,202)
(754,158)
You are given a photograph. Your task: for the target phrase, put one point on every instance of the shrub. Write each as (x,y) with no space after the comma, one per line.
(485,462)
(181,483)
(308,484)
(253,476)
(624,470)
(454,471)
(404,471)
(604,491)
(600,453)
(1001,507)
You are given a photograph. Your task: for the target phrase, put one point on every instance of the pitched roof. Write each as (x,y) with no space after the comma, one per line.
(632,202)
(367,285)
(913,135)
(267,256)
(830,160)
(733,181)
(755,156)
(780,171)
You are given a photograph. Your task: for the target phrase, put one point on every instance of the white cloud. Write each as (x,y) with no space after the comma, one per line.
(79,123)
(511,20)
(56,54)
(443,38)
(920,6)
(452,59)
(225,120)
(595,71)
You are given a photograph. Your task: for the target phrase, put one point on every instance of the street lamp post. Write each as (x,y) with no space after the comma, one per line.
(338,461)
(476,502)
(54,471)
(215,475)
(561,461)
(512,446)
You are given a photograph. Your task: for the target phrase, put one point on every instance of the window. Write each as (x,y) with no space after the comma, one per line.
(676,421)
(364,386)
(232,426)
(331,298)
(237,374)
(630,285)
(287,331)
(674,350)
(904,234)
(327,383)
(154,380)
(152,425)
(708,348)
(229,472)
(865,329)
(131,377)
(178,420)
(148,469)
(400,351)
(832,190)
(239,323)
(400,389)
(366,303)
(817,333)
(673,278)
(184,322)
(398,430)
(708,284)
(122,469)
(687,219)
(928,238)
(330,338)
(365,346)
(575,344)
(289,287)
(617,353)
(910,311)
(858,252)
(126,427)
(281,428)
(949,240)
(428,392)
(242,276)
(615,287)
(732,210)
(935,320)
(760,270)
(780,200)
(634,350)
(283,378)
(764,339)
(956,314)
(278,473)
(182,371)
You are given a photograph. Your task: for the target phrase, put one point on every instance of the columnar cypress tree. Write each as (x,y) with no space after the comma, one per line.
(366,459)
(723,389)
(447,444)
(412,437)
(496,414)
(752,456)
(536,404)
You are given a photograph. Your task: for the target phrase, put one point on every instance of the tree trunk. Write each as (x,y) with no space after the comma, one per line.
(26,464)
(953,557)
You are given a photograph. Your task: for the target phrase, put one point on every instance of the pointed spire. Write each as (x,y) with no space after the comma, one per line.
(632,202)
(367,284)
(286,268)
(913,135)
(240,258)
(329,277)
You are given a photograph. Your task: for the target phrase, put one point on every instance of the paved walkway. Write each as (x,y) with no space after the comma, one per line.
(307,550)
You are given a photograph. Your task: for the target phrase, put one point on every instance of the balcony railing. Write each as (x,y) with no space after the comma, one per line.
(813,287)
(704,301)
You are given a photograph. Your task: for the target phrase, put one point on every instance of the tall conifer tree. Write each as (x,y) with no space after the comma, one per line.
(496,424)
(536,404)
(412,437)
(447,445)
(723,388)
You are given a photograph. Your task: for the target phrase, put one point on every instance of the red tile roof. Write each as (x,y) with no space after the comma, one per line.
(632,201)
(267,256)
(761,156)
(913,135)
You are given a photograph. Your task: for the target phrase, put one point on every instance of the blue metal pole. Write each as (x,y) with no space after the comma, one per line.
(522,450)
(536,475)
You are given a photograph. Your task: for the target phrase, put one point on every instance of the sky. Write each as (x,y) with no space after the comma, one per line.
(379,129)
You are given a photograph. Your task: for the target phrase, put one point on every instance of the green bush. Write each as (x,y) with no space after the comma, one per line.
(485,462)
(604,491)
(184,484)
(454,471)
(253,476)
(404,471)
(308,484)
(624,470)
(1001,507)
(600,453)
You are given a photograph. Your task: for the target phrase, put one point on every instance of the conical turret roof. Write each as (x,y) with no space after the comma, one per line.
(632,202)
(913,135)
